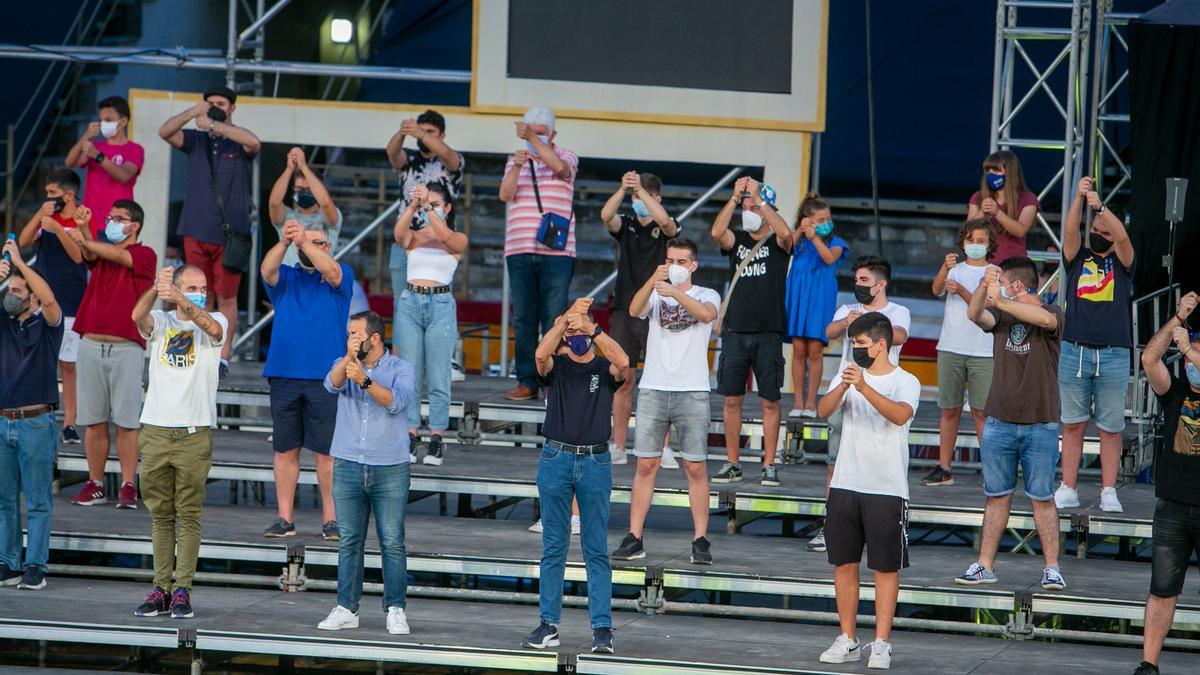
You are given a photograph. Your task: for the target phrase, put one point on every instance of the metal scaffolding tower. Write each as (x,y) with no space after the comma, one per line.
(1109,120)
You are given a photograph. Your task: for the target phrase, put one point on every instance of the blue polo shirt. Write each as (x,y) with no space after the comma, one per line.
(309,331)
(29,361)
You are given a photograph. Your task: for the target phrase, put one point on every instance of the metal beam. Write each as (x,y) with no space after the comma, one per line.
(261,21)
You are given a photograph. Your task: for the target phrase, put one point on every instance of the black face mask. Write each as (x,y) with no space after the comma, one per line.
(864,294)
(1098,244)
(423,148)
(216,114)
(363,350)
(861,357)
(305,199)
(60,203)
(304,259)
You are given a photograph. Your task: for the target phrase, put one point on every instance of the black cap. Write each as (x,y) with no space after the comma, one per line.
(221,90)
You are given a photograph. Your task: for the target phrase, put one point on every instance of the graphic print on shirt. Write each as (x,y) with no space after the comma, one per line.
(179,349)
(594,385)
(1096,284)
(1187,434)
(675,318)
(753,268)
(1016,339)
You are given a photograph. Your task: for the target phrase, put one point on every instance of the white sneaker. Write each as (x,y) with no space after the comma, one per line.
(881,655)
(536,528)
(809,413)
(668,459)
(1065,497)
(795,413)
(339,619)
(617,454)
(1109,501)
(412,458)
(574,525)
(457,374)
(397,623)
(843,650)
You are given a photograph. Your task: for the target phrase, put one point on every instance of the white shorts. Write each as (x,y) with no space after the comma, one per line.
(69,352)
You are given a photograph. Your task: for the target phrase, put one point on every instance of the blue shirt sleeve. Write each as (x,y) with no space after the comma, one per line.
(402,388)
(329,387)
(190,137)
(276,291)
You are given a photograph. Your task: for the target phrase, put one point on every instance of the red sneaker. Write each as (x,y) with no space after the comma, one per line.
(92,493)
(127,497)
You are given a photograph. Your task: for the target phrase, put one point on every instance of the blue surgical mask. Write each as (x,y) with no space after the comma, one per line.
(975,251)
(1193,374)
(114,230)
(305,199)
(578,344)
(640,209)
(1009,296)
(441,213)
(995,180)
(824,229)
(197,299)
(532,150)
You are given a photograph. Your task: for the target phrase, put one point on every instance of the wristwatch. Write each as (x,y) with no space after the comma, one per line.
(366,383)
(596,333)
(99,157)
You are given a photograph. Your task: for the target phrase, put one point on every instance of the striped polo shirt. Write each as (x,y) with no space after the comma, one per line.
(558,196)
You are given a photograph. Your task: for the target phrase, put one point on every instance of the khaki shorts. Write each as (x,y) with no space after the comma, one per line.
(957,373)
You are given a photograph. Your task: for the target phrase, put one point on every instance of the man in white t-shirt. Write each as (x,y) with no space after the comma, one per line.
(871,278)
(868,499)
(177,421)
(673,391)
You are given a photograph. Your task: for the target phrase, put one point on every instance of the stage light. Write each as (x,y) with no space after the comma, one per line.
(341,30)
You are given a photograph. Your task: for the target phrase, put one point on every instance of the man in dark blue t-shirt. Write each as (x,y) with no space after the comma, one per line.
(575,463)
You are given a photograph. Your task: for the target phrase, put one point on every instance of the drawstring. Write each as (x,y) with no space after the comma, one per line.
(1079,372)
(1097,363)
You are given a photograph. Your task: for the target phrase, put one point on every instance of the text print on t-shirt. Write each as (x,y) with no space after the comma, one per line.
(754,269)
(1096,284)
(179,349)
(1016,339)
(675,317)
(1187,435)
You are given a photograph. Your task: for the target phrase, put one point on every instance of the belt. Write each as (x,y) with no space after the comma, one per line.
(598,449)
(24,413)
(428,290)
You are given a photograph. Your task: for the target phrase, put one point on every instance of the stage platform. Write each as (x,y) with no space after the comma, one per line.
(477,635)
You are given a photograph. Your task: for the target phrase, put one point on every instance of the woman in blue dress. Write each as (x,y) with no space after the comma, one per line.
(811,297)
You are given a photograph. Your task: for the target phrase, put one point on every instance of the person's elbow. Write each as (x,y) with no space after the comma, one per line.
(507,193)
(1150,357)
(253,147)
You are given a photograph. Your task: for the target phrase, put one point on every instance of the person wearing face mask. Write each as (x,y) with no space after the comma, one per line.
(755,319)
(312,303)
(426,327)
(1005,201)
(1022,413)
(1093,372)
(538,186)
(60,263)
(871,278)
(176,443)
(111,349)
(575,464)
(371,470)
(1176,474)
(811,298)
(311,206)
(111,166)
(964,360)
(31,332)
(641,237)
(868,498)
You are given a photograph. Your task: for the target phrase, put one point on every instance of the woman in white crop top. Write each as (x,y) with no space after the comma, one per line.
(426,327)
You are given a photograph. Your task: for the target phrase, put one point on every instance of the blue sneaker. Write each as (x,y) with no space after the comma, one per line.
(602,641)
(545,635)
(1052,580)
(976,574)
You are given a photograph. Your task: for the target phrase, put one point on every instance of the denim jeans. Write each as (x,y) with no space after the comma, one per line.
(1033,446)
(398,266)
(538,285)
(27,451)
(426,331)
(1092,383)
(587,478)
(359,489)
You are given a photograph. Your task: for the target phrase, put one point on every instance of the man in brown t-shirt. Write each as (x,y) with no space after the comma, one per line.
(1022,411)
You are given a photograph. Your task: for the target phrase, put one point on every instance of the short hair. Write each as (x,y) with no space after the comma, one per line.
(318,174)
(874,325)
(1020,268)
(651,183)
(374,322)
(686,244)
(433,117)
(221,90)
(978,224)
(540,116)
(117,103)
(136,214)
(812,203)
(877,266)
(184,268)
(66,179)
(442,191)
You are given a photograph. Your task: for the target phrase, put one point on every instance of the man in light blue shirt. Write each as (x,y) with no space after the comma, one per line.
(370,468)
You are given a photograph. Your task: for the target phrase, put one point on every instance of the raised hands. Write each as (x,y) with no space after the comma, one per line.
(293,232)
(1187,304)
(950,261)
(989,206)
(631,181)
(852,376)
(164,285)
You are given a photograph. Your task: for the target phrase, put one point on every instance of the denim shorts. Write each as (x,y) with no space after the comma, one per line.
(658,411)
(1032,446)
(1093,382)
(1176,535)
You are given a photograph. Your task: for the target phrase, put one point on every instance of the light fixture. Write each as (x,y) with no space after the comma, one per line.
(341,30)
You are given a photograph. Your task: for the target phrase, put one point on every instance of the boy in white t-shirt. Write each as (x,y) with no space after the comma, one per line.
(868,498)
(177,421)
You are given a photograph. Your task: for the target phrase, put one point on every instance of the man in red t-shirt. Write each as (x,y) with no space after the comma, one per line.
(111,353)
(111,166)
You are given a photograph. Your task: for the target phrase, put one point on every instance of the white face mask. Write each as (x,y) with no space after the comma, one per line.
(751,221)
(677,274)
(108,129)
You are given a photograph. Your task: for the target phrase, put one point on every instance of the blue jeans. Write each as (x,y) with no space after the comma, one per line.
(27,451)
(359,489)
(1033,446)
(587,478)
(538,285)
(426,331)
(1092,382)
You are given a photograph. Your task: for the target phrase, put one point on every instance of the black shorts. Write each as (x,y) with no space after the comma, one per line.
(742,352)
(630,333)
(302,414)
(1176,535)
(854,519)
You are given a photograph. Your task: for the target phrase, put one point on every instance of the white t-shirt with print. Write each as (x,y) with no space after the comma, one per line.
(960,335)
(873,455)
(677,344)
(184,368)
(897,314)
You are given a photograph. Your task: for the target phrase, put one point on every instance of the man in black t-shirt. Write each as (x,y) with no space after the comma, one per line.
(575,463)
(1176,473)
(754,319)
(642,245)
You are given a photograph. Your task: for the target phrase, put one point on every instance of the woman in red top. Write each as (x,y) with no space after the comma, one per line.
(1006,202)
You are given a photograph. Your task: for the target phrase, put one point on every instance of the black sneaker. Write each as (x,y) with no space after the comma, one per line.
(433,456)
(70,435)
(9,576)
(223,370)
(700,553)
(280,528)
(156,603)
(729,473)
(602,641)
(414,444)
(330,531)
(938,476)
(629,549)
(181,604)
(545,635)
(34,579)
(1146,668)
(770,476)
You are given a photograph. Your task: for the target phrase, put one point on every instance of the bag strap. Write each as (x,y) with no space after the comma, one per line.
(537,195)
(216,187)
(737,274)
